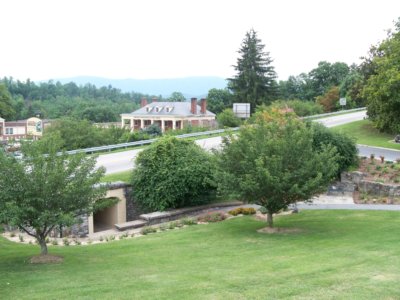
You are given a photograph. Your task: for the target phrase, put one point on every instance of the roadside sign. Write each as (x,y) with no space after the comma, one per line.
(241,110)
(342,101)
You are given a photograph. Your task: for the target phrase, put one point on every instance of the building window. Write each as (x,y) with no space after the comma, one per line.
(158,109)
(168,108)
(9,130)
(147,123)
(149,108)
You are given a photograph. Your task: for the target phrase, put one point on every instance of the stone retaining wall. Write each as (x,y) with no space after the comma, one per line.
(369,187)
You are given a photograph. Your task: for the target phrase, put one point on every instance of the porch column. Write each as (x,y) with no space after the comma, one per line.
(141,123)
(162,125)
(173,124)
(132,125)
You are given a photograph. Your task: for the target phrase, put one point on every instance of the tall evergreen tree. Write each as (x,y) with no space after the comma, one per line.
(255,81)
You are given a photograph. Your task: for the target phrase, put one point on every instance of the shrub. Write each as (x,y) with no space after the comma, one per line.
(301,108)
(147,230)
(345,145)
(101,238)
(228,119)
(12,234)
(263,210)
(172,225)
(173,173)
(242,210)
(21,238)
(77,242)
(188,221)
(378,168)
(212,217)
(66,242)
(54,242)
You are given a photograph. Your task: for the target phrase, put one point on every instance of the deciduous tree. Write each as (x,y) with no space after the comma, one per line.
(45,189)
(273,163)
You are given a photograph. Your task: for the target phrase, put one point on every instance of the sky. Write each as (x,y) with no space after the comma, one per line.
(153,39)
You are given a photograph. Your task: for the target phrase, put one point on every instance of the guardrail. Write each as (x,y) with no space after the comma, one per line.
(146,142)
(335,113)
(187,135)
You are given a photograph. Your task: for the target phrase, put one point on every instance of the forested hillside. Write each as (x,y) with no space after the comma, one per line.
(51,100)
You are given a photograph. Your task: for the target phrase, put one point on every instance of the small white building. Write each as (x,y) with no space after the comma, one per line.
(169,115)
(16,130)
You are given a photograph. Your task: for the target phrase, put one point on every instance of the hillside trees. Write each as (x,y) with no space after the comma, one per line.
(218,100)
(6,108)
(255,81)
(382,89)
(273,163)
(47,189)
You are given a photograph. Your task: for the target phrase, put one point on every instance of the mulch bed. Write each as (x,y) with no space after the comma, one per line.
(46,259)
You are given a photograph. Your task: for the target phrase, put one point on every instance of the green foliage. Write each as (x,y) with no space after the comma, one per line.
(177,97)
(188,221)
(7,111)
(255,81)
(212,217)
(173,173)
(153,130)
(218,100)
(54,100)
(104,203)
(382,89)
(46,188)
(228,119)
(147,230)
(301,108)
(242,211)
(329,100)
(344,144)
(273,163)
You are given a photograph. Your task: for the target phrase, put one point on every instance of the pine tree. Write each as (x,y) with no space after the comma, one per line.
(255,80)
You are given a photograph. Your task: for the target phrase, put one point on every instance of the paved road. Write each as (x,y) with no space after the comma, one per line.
(342,119)
(124,161)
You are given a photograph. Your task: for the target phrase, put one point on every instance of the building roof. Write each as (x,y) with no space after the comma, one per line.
(169,109)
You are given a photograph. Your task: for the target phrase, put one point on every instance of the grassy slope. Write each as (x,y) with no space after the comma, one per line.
(366,134)
(339,255)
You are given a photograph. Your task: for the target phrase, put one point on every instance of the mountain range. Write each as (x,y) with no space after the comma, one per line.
(188,86)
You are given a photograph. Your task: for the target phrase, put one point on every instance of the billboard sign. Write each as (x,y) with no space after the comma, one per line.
(241,110)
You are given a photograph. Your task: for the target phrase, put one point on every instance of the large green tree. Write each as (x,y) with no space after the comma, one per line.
(218,100)
(255,81)
(46,188)
(6,108)
(382,89)
(273,163)
(173,173)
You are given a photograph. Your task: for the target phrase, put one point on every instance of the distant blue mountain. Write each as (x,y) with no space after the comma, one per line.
(188,86)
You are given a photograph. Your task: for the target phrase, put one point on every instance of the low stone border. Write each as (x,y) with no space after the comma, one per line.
(170,215)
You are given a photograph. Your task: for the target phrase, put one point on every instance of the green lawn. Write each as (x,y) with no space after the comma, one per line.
(366,134)
(337,255)
(121,176)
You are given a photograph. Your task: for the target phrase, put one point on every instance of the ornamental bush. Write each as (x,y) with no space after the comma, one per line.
(173,173)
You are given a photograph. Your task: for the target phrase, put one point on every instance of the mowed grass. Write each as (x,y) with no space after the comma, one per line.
(120,176)
(337,255)
(366,134)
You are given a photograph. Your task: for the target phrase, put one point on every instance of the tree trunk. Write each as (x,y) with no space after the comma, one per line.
(43,246)
(270,219)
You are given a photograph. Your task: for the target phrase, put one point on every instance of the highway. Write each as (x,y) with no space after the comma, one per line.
(124,161)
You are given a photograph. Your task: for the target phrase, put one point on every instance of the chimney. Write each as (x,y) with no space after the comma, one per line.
(143,102)
(203,106)
(154,99)
(193,106)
